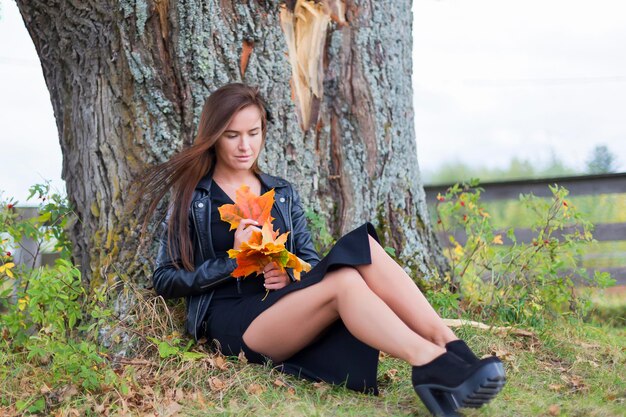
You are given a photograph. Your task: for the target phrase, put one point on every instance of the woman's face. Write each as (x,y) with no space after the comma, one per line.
(241,142)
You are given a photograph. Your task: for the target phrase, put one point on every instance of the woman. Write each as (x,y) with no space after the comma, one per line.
(330,325)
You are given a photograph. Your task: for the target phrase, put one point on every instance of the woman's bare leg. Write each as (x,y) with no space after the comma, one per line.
(389,281)
(299,317)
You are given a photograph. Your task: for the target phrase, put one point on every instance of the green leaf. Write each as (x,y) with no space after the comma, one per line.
(511,235)
(34,407)
(283,257)
(44,217)
(166,350)
(192,356)
(604,279)
(391,251)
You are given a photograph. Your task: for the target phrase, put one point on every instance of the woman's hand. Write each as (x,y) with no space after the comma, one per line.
(275,279)
(243,233)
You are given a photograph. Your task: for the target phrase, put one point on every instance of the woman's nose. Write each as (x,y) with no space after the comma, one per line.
(244,143)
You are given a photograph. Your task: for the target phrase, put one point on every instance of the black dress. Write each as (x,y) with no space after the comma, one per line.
(336,356)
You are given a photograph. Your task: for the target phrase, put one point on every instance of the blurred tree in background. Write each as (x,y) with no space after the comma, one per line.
(601,161)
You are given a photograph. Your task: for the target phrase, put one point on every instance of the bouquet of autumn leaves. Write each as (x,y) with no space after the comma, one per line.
(265,246)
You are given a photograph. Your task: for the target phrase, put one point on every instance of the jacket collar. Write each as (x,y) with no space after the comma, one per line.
(269,181)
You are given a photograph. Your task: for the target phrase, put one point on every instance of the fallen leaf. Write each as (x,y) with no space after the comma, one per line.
(68,392)
(321,386)
(216,384)
(554,410)
(220,363)
(147,391)
(179,394)
(279,383)
(198,397)
(172,409)
(255,389)
(391,374)
(577,382)
(500,353)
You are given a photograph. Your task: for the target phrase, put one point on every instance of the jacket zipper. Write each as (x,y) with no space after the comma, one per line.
(195,226)
(290,224)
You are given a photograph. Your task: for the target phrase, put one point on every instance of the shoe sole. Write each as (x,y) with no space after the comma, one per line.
(480,388)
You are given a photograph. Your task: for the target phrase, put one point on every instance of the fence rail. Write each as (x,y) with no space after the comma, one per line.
(580,185)
(577,186)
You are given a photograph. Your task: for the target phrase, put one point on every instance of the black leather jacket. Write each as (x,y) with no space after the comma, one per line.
(197,286)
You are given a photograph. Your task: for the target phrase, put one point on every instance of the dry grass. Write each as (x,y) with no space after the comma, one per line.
(569,369)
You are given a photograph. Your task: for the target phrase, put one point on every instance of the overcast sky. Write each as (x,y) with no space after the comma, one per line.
(493,79)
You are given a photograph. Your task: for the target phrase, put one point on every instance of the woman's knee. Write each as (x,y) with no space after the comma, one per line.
(344,277)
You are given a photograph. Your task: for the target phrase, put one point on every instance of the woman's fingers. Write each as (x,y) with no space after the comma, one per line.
(246,226)
(243,233)
(275,278)
(245,222)
(275,285)
(270,267)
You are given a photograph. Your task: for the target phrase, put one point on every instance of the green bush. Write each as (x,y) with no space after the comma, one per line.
(48,319)
(521,282)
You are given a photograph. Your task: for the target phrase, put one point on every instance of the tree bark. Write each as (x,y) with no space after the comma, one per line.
(128,79)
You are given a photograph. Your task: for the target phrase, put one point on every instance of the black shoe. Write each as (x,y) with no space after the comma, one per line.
(460,349)
(448,383)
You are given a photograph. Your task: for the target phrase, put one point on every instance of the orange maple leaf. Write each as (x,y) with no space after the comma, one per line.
(248,206)
(264,247)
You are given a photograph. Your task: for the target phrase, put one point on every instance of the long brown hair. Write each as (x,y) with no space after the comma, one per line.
(185,169)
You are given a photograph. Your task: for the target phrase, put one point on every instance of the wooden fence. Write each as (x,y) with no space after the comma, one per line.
(577,186)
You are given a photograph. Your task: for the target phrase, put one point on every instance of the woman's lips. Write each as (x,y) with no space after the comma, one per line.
(243,158)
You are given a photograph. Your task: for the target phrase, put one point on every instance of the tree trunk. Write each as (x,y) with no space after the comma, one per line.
(128,79)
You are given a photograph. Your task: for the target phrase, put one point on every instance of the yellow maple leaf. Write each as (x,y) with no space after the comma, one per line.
(497,239)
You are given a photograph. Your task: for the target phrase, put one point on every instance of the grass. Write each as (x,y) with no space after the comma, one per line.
(564,369)
(601,208)
(609,305)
